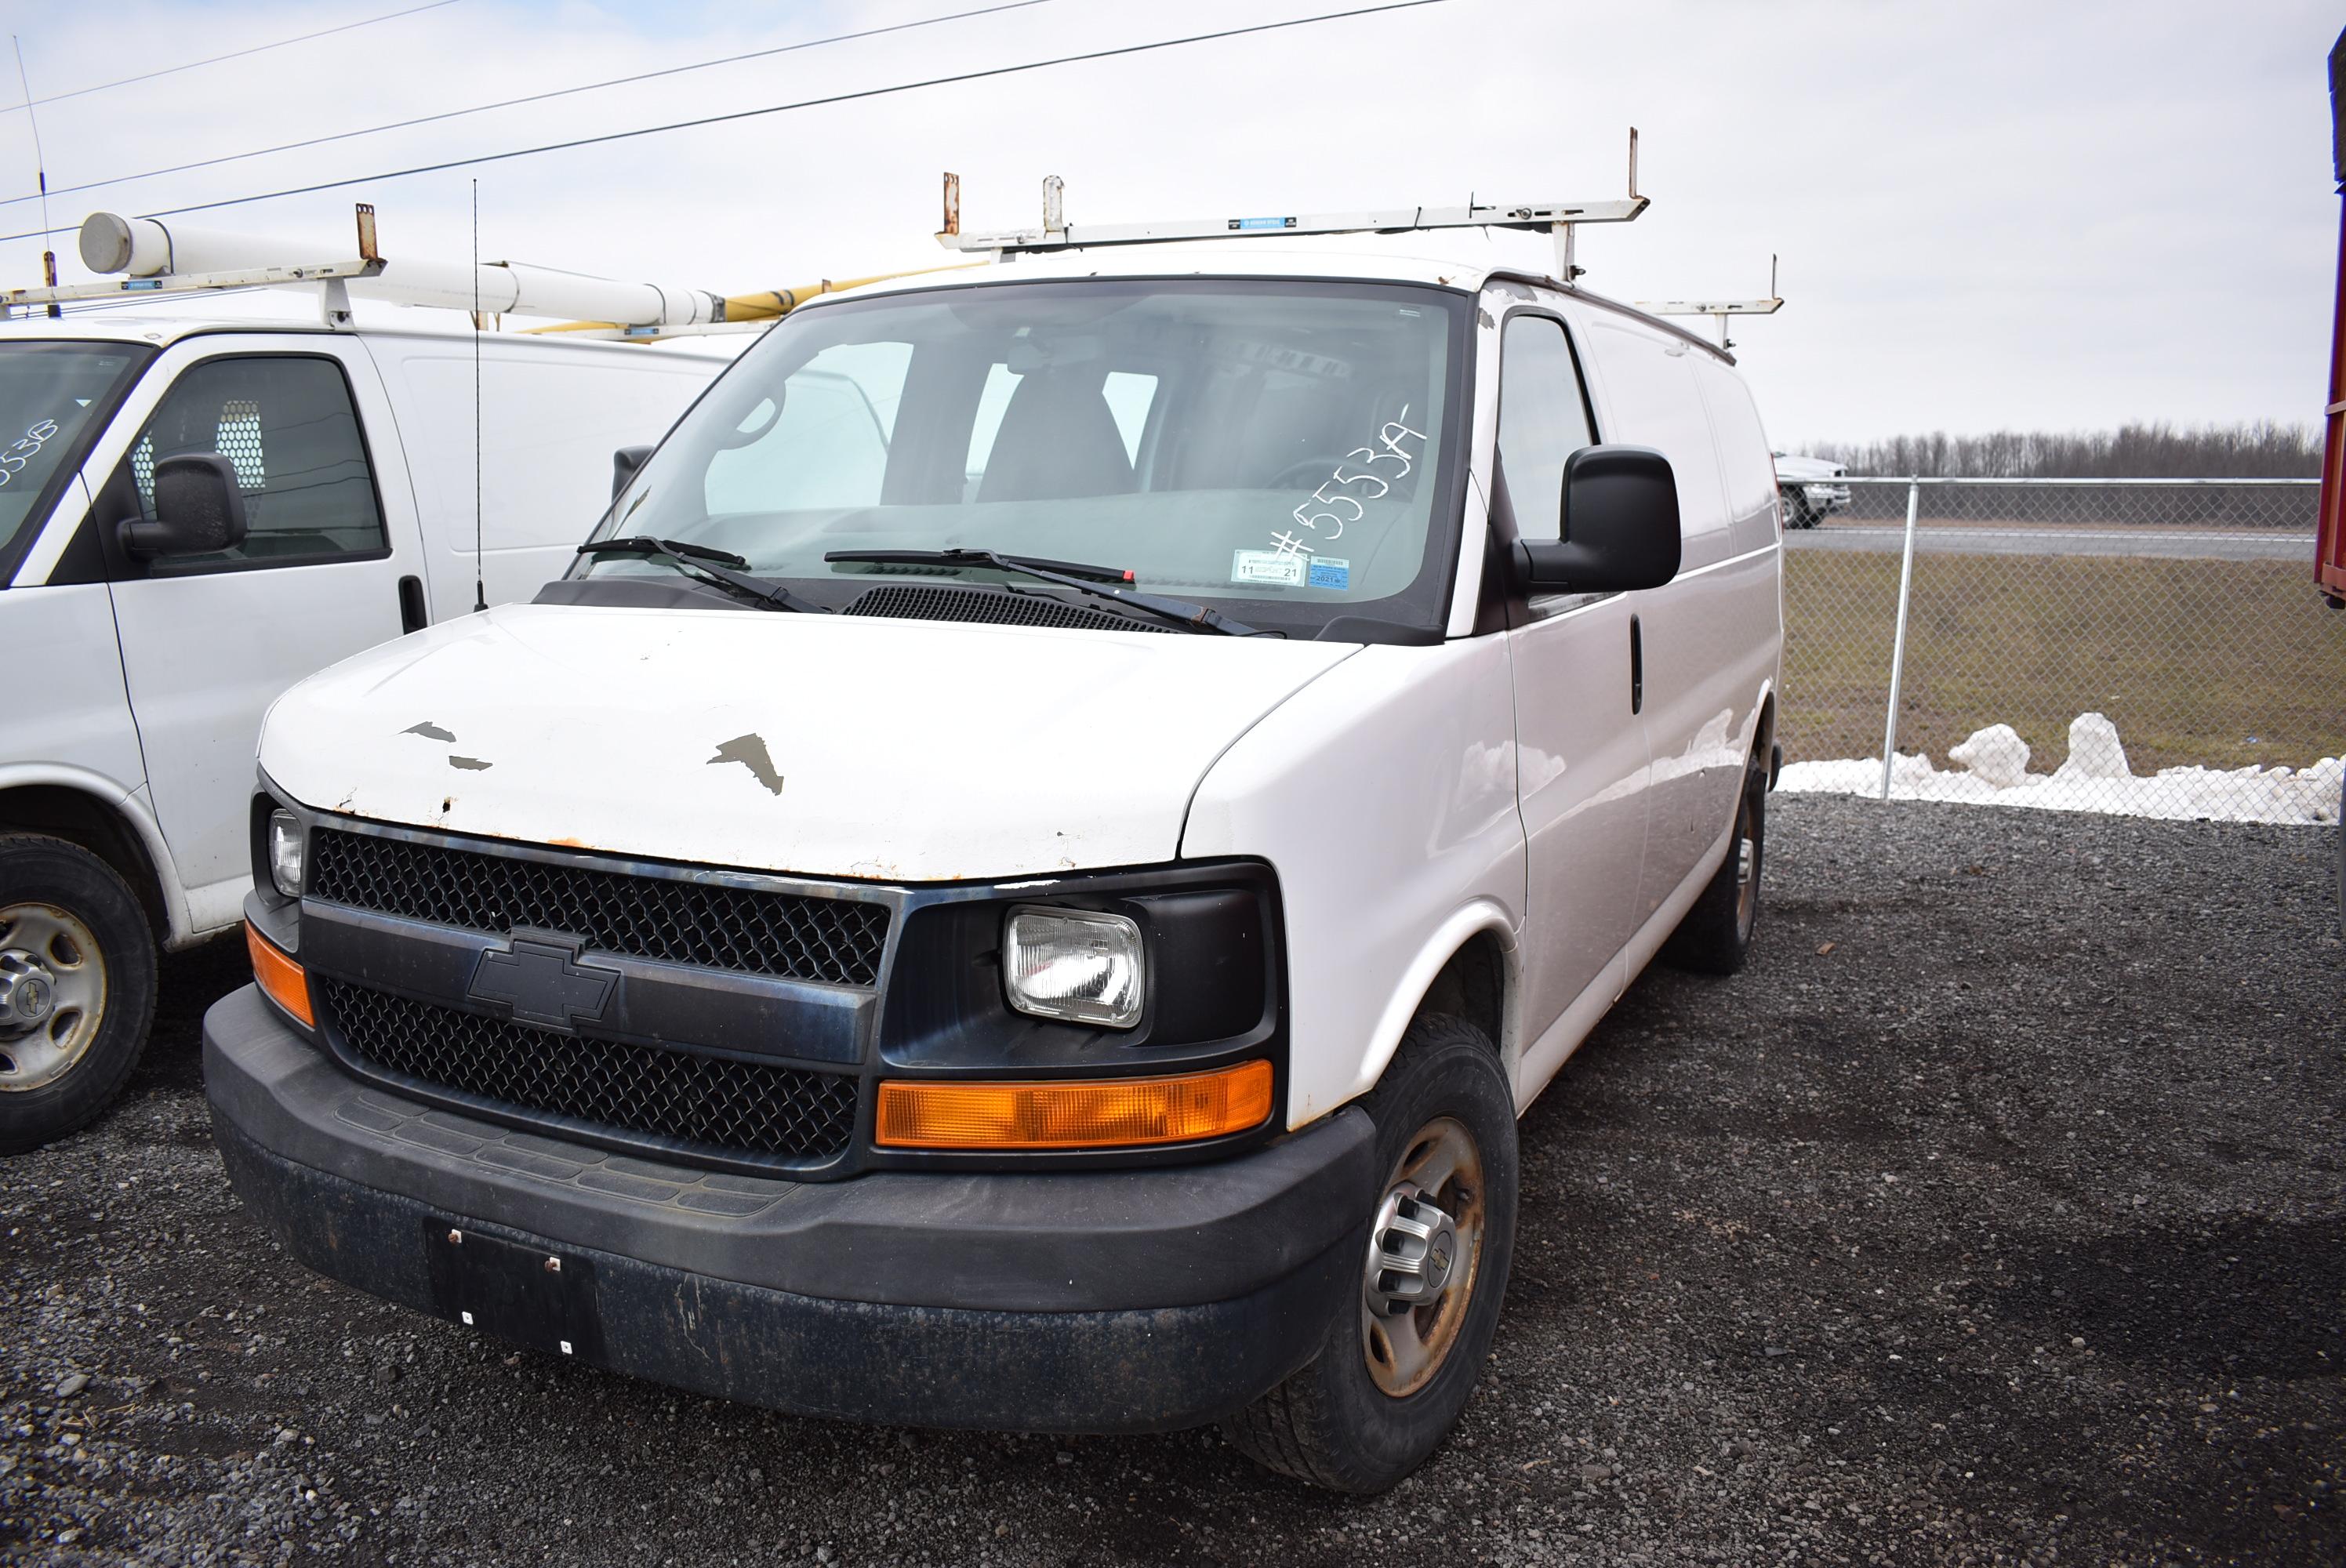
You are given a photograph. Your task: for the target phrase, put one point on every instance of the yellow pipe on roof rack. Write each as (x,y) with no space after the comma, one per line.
(768,304)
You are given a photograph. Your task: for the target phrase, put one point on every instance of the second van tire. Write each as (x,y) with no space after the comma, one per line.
(1715,936)
(1334,1424)
(76,953)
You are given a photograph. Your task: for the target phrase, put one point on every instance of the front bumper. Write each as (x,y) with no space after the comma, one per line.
(1135,1300)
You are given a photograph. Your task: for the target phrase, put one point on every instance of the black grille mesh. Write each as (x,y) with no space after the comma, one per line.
(904,602)
(735,1106)
(667,918)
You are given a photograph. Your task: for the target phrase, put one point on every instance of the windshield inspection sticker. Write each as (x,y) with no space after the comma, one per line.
(1267,567)
(1327,573)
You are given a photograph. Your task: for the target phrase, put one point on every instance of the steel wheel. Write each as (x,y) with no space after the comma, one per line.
(53,993)
(1425,1252)
(1746,877)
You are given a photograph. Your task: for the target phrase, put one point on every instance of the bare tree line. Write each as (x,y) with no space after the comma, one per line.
(2259,450)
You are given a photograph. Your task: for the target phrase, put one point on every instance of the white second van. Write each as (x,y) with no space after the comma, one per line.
(1028,881)
(194,515)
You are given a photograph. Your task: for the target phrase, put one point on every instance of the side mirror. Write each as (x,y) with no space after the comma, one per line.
(623,464)
(1620,524)
(198,509)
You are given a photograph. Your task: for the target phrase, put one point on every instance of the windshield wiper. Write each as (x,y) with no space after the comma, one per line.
(1092,580)
(709,566)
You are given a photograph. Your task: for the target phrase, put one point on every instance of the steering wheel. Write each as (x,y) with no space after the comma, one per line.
(1317,469)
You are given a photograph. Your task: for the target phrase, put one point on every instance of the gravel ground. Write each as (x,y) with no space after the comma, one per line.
(1993,1215)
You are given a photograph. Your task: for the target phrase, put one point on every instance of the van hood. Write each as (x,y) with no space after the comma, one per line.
(824,745)
(1791,466)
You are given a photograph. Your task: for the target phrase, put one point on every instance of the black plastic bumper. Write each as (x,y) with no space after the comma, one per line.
(1102,1301)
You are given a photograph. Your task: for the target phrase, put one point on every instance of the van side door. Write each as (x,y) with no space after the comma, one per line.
(1580,740)
(208,641)
(1695,636)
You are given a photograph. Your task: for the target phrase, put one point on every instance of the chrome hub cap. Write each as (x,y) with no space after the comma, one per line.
(1426,1247)
(1746,877)
(52,994)
(1413,1251)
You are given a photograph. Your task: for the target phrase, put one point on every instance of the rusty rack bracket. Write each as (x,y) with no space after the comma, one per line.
(1558,218)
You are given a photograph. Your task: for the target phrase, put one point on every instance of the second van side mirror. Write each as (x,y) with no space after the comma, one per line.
(623,464)
(199,508)
(1620,524)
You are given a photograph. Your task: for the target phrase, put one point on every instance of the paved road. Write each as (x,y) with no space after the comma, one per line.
(1956,538)
(1993,1215)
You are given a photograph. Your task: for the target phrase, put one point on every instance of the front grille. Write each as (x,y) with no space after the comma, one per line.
(904,602)
(673,919)
(739,1107)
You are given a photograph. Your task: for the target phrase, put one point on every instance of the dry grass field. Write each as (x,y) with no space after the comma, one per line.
(2222,663)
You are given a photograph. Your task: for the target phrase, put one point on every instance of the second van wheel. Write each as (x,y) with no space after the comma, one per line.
(1405,1345)
(1715,936)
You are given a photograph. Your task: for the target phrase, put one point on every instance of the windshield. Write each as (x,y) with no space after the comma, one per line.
(1283,448)
(48,394)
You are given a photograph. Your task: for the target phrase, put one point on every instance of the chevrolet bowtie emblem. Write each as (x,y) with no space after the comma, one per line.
(539,977)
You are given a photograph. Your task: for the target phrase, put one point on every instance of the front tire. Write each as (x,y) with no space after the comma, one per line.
(76,988)
(1404,1346)
(1796,512)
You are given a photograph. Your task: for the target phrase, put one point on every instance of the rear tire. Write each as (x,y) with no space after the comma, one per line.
(1715,936)
(76,988)
(1391,1377)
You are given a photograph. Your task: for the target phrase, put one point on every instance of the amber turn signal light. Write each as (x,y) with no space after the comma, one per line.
(1091,1113)
(281,979)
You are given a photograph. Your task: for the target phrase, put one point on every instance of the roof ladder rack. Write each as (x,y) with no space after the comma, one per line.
(1557,217)
(1719,309)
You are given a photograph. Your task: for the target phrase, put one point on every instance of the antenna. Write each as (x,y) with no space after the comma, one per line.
(480,588)
(40,168)
(1719,309)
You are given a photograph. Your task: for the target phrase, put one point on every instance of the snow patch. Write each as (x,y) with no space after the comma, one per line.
(1993,771)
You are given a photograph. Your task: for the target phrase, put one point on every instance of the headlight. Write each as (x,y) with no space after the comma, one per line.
(1074,964)
(285,853)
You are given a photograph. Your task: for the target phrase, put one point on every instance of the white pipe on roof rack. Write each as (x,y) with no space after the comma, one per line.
(145,248)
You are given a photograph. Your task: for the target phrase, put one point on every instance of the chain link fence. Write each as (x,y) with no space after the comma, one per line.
(2153,646)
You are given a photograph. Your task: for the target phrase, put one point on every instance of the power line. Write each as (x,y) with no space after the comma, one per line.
(780,108)
(529,98)
(214,60)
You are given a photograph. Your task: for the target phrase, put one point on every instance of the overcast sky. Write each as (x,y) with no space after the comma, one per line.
(1991,215)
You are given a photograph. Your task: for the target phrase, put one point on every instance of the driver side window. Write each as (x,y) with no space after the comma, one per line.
(1543,420)
(827,442)
(286,423)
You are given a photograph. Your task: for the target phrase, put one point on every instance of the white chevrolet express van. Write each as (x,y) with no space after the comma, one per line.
(194,515)
(1026,878)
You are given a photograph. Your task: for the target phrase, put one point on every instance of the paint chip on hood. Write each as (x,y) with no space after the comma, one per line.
(749,751)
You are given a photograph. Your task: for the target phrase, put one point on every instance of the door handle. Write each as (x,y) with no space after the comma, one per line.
(1637,668)
(411,617)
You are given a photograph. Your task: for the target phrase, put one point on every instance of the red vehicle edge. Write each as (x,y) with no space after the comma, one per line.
(2330,539)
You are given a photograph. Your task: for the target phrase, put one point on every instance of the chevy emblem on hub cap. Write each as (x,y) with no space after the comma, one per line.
(539,977)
